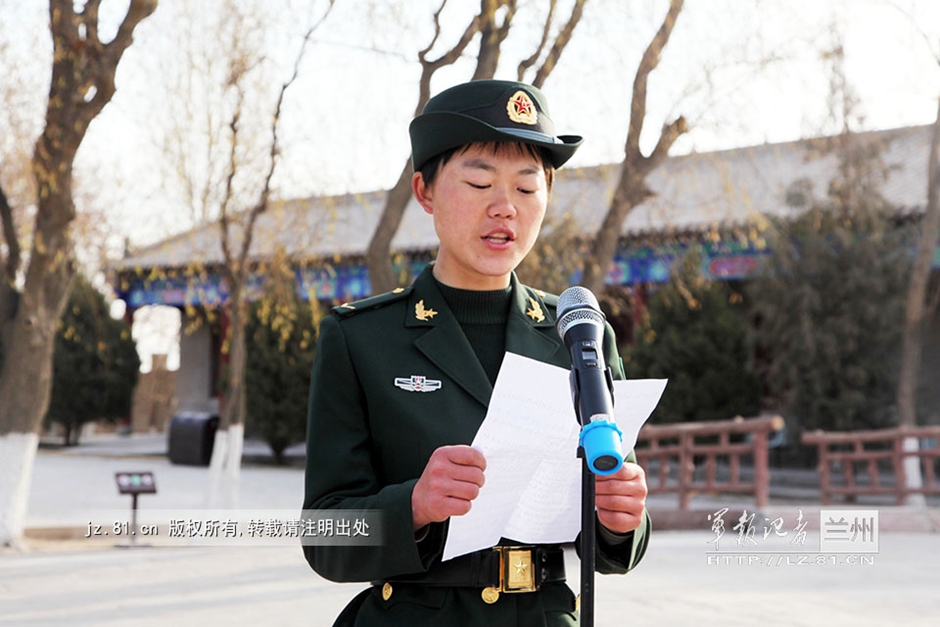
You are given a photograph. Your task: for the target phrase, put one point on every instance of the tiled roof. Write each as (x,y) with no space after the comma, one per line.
(695,192)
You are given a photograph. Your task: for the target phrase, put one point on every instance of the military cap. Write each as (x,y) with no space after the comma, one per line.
(487,111)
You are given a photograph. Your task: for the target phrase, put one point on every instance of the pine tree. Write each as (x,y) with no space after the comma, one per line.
(829,305)
(281,335)
(695,334)
(95,366)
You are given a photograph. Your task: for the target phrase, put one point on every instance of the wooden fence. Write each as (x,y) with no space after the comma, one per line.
(872,462)
(681,447)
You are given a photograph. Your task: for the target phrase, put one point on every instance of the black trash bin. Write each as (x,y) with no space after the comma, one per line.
(191,437)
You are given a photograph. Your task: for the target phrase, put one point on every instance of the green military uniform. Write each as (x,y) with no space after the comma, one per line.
(369,441)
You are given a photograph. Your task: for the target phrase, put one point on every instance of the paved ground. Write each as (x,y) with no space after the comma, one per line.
(682,581)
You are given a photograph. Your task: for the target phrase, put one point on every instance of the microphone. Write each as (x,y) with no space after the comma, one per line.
(580,324)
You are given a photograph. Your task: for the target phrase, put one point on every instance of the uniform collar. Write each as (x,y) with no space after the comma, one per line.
(529,332)
(427,308)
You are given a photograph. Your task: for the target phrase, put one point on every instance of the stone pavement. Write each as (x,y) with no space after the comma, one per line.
(61,578)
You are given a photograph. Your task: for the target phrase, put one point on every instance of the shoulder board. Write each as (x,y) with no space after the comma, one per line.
(373,302)
(549,299)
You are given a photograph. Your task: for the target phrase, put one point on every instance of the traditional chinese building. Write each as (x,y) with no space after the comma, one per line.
(718,202)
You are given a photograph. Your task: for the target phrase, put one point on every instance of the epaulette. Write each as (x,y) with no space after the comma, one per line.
(373,302)
(549,299)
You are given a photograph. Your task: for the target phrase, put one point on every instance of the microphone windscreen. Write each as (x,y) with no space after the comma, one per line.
(577,305)
(575,297)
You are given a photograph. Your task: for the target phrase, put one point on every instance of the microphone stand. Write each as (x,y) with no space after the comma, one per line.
(588,541)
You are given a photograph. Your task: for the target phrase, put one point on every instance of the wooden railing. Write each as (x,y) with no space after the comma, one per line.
(882,454)
(661,449)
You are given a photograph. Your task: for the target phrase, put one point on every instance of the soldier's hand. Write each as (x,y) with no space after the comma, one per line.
(621,498)
(450,481)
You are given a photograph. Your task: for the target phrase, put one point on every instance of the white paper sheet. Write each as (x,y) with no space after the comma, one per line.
(532,492)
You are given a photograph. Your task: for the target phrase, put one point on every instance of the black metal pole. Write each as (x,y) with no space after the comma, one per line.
(588,541)
(133,530)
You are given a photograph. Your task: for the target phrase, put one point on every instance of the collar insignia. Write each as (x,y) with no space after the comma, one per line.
(423,314)
(536,312)
(417,383)
(521,109)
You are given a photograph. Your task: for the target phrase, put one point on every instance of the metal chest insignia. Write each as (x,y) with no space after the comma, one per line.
(417,383)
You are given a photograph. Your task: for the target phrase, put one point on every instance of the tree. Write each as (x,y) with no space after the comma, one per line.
(631,188)
(828,305)
(493,32)
(83,70)
(282,341)
(238,141)
(95,367)
(920,306)
(695,333)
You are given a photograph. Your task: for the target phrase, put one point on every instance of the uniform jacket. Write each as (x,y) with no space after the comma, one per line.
(369,440)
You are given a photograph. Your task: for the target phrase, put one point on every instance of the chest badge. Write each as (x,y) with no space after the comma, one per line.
(423,314)
(417,383)
(536,312)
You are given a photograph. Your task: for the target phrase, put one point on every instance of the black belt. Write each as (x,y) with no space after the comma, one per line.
(500,569)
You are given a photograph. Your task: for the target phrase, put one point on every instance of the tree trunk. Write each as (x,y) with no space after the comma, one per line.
(915,309)
(378,258)
(26,374)
(82,84)
(17,454)
(631,188)
(225,466)
(917,290)
(631,191)
(492,36)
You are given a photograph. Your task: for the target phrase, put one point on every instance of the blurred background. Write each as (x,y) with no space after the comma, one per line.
(751,204)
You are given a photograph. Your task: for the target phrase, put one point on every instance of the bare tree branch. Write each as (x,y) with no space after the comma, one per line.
(631,187)
(422,55)
(262,204)
(525,64)
(560,42)
(648,63)
(670,133)
(108,54)
(492,36)
(915,23)
(230,181)
(381,273)
(90,19)
(428,68)
(237,267)
(137,11)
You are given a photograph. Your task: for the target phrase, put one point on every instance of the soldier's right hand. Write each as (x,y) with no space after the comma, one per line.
(450,481)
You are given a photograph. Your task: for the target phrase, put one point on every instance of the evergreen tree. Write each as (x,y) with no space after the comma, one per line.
(829,304)
(95,367)
(281,334)
(695,334)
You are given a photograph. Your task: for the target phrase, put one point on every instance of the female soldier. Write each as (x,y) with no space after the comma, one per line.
(402,381)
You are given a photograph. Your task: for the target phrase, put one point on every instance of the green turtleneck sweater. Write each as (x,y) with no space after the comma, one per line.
(482,316)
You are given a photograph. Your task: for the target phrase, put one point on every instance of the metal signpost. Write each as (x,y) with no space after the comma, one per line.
(135,483)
